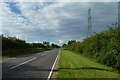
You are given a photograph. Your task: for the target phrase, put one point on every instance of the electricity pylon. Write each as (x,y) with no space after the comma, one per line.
(89,31)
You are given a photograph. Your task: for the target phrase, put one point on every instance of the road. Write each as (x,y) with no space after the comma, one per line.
(33,67)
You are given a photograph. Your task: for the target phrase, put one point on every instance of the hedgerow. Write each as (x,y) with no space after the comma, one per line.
(104,47)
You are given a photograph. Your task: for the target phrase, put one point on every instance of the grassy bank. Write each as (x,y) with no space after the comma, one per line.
(73,65)
(103,47)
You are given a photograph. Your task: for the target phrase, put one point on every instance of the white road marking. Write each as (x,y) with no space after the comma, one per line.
(50,74)
(43,54)
(23,63)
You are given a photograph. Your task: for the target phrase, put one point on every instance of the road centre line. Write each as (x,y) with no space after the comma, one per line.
(23,63)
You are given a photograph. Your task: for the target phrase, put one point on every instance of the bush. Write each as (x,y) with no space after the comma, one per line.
(103,46)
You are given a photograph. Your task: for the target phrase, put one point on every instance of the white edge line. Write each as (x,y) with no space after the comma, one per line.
(50,74)
(23,63)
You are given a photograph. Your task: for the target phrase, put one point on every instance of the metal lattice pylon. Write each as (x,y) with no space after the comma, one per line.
(89,32)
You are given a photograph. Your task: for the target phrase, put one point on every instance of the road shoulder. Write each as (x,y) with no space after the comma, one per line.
(56,67)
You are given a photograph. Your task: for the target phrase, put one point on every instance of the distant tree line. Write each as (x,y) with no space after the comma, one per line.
(13,45)
(104,47)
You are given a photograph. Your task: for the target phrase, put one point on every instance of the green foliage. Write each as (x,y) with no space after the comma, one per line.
(12,46)
(54,46)
(73,65)
(71,41)
(103,46)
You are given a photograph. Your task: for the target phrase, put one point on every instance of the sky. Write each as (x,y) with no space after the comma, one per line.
(54,21)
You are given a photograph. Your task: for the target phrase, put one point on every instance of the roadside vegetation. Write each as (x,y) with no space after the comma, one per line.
(97,56)
(103,47)
(73,65)
(12,46)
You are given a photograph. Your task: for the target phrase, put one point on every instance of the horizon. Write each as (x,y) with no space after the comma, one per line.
(56,22)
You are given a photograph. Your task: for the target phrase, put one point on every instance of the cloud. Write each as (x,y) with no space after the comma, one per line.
(61,42)
(13,7)
(56,22)
(0,18)
(61,0)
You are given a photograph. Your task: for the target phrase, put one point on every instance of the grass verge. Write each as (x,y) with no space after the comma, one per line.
(73,65)
(18,52)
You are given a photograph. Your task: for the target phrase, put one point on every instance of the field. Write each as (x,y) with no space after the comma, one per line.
(73,65)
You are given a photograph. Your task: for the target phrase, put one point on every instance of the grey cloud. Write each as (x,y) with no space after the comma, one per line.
(65,22)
